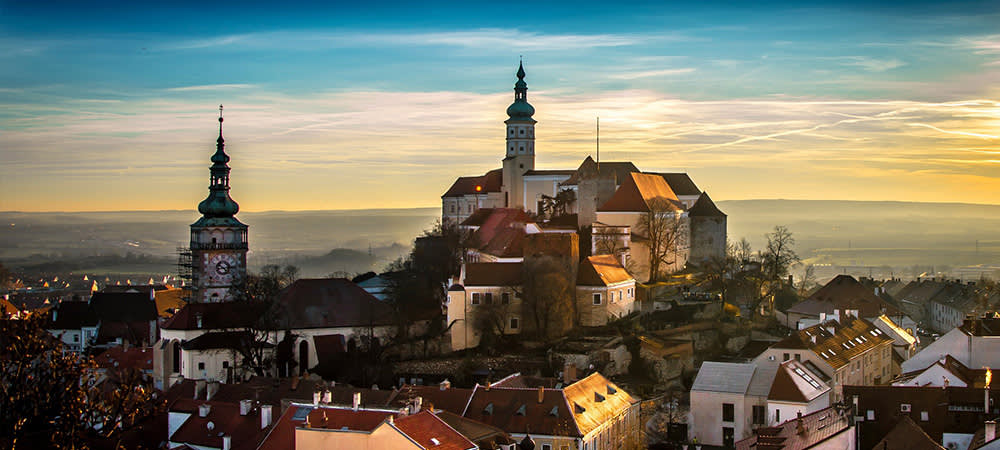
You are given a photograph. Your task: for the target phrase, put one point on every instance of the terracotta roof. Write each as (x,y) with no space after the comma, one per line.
(140,358)
(794,382)
(639,191)
(851,337)
(330,303)
(450,399)
(705,207)
(814,428)
(485,436)
(282,434)
(519,411)
(501,230)
(907,434)
(221,340)
(245,431)
(588,169)
(492,274)
(431,432)
(680,183)
(842,293)
(490,182)
(530,382)
(71,316)
(272,391)
(602,270)
(214,316)
(595,400)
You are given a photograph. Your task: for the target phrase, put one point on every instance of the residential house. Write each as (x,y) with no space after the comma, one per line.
(826,429)
(75,324)
(728,401)
(844,349)
(795,391)
(946,371)
(843,293)
(976,343)
(604,291)
(904,343)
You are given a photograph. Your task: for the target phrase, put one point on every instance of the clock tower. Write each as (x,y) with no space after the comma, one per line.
(218,239)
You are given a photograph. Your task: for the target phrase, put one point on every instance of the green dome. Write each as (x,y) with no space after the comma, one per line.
(520,110)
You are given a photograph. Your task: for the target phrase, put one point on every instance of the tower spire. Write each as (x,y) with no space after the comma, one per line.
(219,203)
(220,125)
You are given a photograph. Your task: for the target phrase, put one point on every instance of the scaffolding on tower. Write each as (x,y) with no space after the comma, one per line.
(185,272)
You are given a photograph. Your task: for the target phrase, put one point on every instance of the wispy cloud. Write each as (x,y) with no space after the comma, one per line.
(211,87)
(873,64)
(653,73)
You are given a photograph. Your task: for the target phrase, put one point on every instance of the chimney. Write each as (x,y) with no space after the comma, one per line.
(417,404)
(265,416)
(488,384)
(54,313)
(991,430)
(799,427)
(199,386)
(227,442)
(569,374)
(541,394)
(203,410)
(197,320)
(876,290)
(836,315)
(327,396)
(317,396)
(851,312)
(813,338)
(822,317)
(213,388)
(357,401)
(445,385)
(245,407)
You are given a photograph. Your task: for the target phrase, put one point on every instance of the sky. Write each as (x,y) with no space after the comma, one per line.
(330,105)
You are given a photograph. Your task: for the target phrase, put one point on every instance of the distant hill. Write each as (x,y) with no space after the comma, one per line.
(834,232)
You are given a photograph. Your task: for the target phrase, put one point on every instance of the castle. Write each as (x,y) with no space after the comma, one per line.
(640,225)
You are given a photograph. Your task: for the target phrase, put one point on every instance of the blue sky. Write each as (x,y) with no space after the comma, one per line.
(111,106)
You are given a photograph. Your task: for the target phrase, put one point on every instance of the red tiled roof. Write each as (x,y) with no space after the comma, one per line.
(816,427)
(907,434)
(215,316)
(490,182)
(451,399)
(330,303)
(246,431)
(282,434)
(140,358)
(501,230)
(492,274)
(431,432)
(639,192)
(842,293)
(601,270)
(790,386)
(851,337)
(519,411)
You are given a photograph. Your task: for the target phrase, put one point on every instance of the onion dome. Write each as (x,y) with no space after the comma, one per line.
(521,109)
(218,204)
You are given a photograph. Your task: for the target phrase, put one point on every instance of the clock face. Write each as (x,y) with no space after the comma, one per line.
(222,267)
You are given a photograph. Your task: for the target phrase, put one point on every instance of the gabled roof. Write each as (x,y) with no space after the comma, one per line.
(221,340)
(330,303)
(596,400)
(71,316)
(426,429)
(898,334)
(733,378)
(450,399)
(844,292)
(168,299)
(245,430)
(705,207)
(907,434)
(618,170)
(484,435)
(971,377)
(489,182)
(797,433)
(123,306)
(492,274)
(680,183)
(215,316)
(794,382)
(140,358)
(519,411)
(601,270)
(851,337)
(500,231)
(639,192)
(282,434)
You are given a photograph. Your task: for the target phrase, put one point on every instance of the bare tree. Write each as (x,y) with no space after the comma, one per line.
(665,231)
(550,294)
(264,316)
(742,253)
(808,280)
(779,255)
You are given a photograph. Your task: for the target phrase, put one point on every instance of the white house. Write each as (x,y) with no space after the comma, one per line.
(728,401)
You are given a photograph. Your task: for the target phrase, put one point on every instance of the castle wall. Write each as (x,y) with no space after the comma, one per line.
(708,238)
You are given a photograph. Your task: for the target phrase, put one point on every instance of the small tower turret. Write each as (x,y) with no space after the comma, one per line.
(520,154)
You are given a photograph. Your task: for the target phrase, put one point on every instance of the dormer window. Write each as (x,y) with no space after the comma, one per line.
(521,411)
(488,410)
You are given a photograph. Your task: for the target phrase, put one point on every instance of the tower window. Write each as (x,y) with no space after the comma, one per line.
(522,130)
(522,149)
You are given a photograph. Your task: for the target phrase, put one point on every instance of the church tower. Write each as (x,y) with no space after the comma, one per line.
(520,145)
(218,239)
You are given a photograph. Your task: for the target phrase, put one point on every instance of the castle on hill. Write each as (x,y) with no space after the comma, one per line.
(606,198)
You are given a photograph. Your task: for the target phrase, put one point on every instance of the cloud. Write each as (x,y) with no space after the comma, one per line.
(653,73)
(211,87)
(490,39)
(873,64)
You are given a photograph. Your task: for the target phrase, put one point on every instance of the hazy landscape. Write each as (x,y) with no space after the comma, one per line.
(839,233)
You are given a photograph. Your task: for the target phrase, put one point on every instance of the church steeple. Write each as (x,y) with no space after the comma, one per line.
(218,203)
(521,109)
(520,155)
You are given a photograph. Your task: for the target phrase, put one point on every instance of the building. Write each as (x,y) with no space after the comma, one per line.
(947,371)
(607,196)
(843,293)
(604,291)
(795,391)
(826,429)
(976,343)
(842,350)
(729,401)
(75,324)
(218,240)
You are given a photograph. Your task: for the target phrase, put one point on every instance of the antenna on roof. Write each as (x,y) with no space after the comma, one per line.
(598,145)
